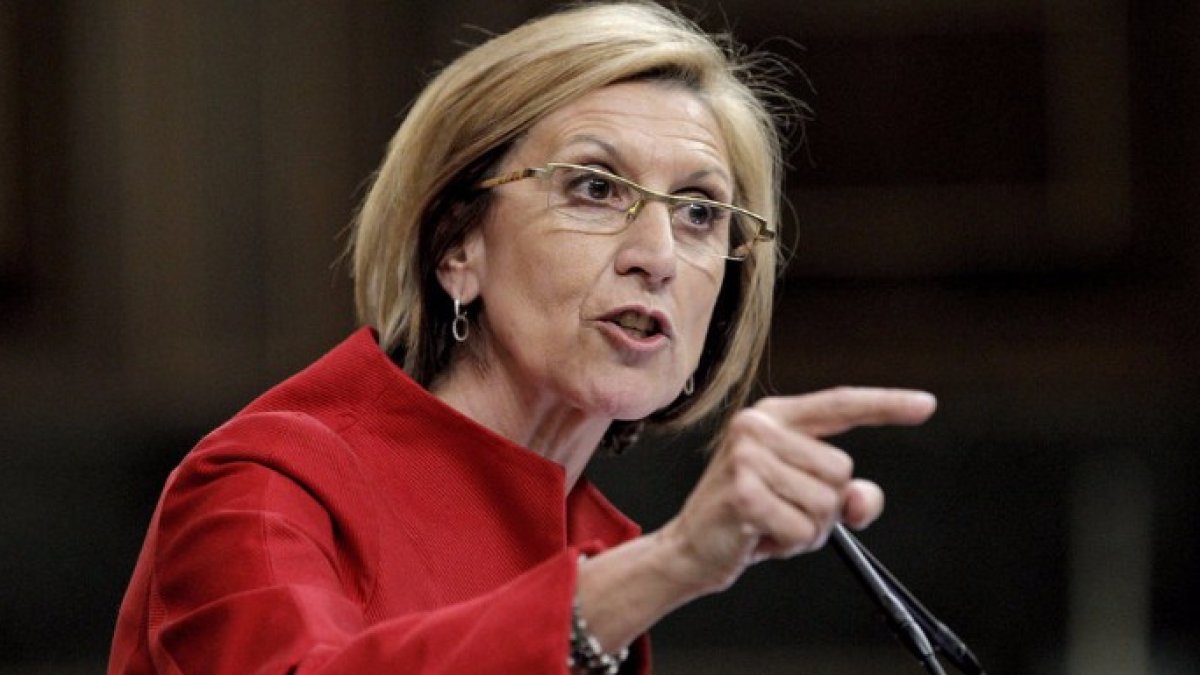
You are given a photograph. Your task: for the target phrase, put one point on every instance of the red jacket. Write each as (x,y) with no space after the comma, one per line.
(350,522)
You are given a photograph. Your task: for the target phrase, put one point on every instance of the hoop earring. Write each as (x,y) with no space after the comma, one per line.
(460,327)
(689,387)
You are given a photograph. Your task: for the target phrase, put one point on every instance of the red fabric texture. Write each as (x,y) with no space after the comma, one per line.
(350,522)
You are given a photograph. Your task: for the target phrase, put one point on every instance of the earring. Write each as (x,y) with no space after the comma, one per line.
(460,327)
(689,387)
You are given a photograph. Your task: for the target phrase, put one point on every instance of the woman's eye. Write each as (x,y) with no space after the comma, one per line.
(597,188)
(699,215)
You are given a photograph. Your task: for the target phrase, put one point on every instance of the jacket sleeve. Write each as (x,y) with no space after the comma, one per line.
(248,568)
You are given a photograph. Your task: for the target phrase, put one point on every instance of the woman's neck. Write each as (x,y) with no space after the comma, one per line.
(543,423)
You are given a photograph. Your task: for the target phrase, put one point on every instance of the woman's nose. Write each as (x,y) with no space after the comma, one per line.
(648,244)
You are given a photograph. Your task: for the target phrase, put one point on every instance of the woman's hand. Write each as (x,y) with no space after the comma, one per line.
(774,489)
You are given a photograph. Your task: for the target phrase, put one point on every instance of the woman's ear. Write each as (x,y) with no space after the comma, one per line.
(461,270)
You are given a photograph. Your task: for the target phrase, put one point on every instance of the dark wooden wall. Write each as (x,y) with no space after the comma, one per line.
(996,202)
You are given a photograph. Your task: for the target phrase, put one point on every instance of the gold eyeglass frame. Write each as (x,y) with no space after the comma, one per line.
(764,231)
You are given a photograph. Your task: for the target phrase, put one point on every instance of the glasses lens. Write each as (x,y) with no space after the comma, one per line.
(703,228)
(590,197)
(598,202)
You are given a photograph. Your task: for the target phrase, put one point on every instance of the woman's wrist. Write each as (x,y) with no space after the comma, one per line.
(683,566)
(586,654)
(625,590)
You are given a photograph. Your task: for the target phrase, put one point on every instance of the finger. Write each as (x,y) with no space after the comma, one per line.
(820,501)
(833,411)
(822,460)
(782,528)
(863,503)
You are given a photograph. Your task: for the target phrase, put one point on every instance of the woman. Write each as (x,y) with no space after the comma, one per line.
(571,237)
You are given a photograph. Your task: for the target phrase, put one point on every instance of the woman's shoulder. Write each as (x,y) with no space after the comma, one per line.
(265,452)
(346,381)
(295,430)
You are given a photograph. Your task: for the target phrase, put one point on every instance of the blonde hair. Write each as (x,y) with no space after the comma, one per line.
(423,202)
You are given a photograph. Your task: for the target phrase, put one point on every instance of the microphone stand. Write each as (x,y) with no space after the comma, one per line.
(912,623)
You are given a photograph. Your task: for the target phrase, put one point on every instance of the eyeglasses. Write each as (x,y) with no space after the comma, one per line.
(600,202)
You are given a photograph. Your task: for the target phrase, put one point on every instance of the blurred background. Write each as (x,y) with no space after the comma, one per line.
(996,202)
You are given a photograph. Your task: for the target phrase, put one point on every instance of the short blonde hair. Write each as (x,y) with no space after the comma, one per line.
(423,202)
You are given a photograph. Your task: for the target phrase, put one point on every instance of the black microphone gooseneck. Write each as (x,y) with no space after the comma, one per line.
(913,624)
(897,615)
(944,640)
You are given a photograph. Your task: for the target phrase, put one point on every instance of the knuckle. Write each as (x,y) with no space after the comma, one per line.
(741,427)
(804,537)
(749,421)
(841,466)
(744,495)
(741,455)
(769,405)
(824,505)
(841,398)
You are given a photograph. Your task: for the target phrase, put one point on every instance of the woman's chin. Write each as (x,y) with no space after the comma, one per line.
(628,403)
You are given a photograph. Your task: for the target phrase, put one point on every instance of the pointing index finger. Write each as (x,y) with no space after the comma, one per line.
(833,411)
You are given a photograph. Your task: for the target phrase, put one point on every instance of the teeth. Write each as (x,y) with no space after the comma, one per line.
(636,321)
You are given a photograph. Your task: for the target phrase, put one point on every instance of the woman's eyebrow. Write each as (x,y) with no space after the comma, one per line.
(612,151)
(719,173)
(604,145)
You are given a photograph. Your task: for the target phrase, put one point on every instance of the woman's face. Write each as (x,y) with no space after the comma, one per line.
(609,324)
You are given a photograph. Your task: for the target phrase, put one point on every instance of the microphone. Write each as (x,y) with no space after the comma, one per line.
(913,624)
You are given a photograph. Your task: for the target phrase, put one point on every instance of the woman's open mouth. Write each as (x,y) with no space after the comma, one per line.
(638,325)
(637,329)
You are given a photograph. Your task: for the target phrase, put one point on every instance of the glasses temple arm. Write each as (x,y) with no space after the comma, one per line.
(506,178)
